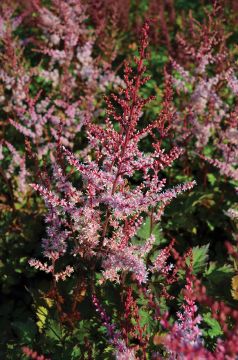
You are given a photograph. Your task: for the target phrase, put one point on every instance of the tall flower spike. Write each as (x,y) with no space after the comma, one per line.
(115,338)
(107,212)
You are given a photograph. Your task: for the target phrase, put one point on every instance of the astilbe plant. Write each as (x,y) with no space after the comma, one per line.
(97,222)
(204,111)
(163,15)
(204,76)
(115,338)
(107,183)
(183,338)
(14,76)
(66,71)
(110,19)
(69,45)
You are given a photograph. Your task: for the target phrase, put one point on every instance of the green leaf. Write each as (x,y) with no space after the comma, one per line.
(76,353)
(214,329)
(208,150)
(206,200)
(144,232)
(218,280)
(146,320)
(211,179)
(53,330)
(217,274)
(41,314)
(200,258)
